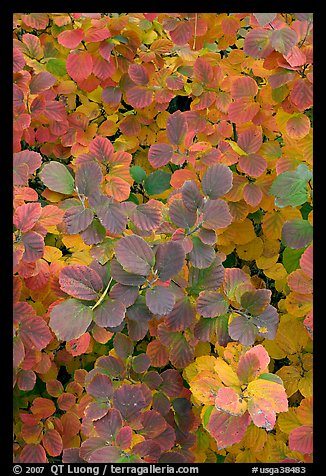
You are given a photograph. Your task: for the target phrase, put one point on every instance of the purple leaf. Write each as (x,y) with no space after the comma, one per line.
(135,255)
(88,178)
(216,214)
(176,128)
(170,258)
(217,181)
(77,219)
(123,277)
(81,282)
(180,215)
(160,300)
(211,304)
(110,313)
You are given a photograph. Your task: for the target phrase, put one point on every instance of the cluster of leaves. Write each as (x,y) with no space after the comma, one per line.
(163,237)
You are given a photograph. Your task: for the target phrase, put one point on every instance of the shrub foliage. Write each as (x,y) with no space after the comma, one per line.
(162,237)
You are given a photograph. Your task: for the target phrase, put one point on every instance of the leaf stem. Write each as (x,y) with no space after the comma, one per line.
(102,296)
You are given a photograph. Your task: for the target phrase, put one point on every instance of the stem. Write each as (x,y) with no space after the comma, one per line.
(102,297)
(237,311)
(195,229)
(305,37)
(195,35)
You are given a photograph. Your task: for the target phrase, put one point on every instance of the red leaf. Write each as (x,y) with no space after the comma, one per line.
(124,437)
(160,154)
(176,128)
(138,74)
(100,387)
(244,87)
(182,315)
(253,164)
(129,400)
(253,363)
(242,110)
(191,196)
(25,163)
(265,18)
(139,97)
(250,140)
(158,353)
(298,127)
(34,246)
(108,426)
(32,454)
(80,282)
(111,96)
(170,258)
(79,346)
(252,194)
(258,43)
(88,178)
(79,65)
(203,71)
(112,216)
(26,380)
(37,21)
(230,402)
(26,216)
(302,94)
(71,38)
(306,261)
(42,407)
(182,33)
(227,429)
(125,294)
(41,82)
(52,442)
(301,439)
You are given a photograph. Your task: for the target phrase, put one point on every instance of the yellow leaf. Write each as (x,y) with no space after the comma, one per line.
(290,376)
(204,387)
(306,383)
(226,373)
(74,243)
(51,253)
(287,421)
(277,271)
(236,148)
(255,438)
(202,349)
(251,250)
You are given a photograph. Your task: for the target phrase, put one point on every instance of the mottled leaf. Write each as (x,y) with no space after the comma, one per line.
(70,319)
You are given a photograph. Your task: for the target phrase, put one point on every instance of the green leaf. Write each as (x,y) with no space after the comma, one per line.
(57,177)
(137,173)
(207,414)
(291,258)
(57,67)
(157,182)
(271,377)
(290,188)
